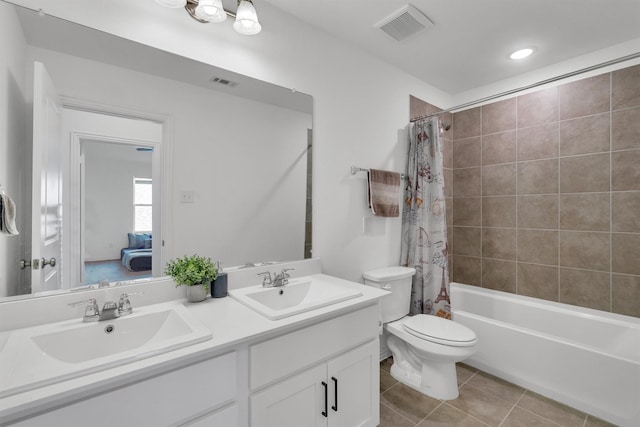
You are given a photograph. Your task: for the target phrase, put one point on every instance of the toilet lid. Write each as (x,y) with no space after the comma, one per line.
(439,330)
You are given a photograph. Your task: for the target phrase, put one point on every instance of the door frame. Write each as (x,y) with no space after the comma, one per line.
(163,175)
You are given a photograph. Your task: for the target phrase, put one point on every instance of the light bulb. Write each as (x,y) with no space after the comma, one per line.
(211,11)
(247,19)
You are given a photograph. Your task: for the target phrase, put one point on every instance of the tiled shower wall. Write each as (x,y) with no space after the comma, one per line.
(545,199)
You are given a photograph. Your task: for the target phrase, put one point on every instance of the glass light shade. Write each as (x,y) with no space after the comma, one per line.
(211,10)
(247,19)
(172,3)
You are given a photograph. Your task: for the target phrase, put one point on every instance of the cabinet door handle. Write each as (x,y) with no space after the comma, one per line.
(325,399)
(335,388)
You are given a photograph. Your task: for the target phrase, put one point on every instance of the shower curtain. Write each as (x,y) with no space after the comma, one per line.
(424,225)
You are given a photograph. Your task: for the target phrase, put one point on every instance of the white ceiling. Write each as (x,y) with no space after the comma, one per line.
(469,44)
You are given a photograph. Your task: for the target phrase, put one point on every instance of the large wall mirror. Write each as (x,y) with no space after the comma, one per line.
(158,156)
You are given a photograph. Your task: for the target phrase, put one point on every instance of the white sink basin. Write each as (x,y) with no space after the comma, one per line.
(42,355)
(299,296)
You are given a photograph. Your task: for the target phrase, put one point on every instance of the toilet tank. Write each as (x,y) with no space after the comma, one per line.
(397,280)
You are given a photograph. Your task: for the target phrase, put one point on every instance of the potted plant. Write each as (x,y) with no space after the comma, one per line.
(195,272)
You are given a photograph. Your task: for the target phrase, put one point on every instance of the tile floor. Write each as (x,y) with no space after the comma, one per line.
(484,401)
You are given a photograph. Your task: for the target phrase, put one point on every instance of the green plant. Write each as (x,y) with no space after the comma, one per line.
(192,270)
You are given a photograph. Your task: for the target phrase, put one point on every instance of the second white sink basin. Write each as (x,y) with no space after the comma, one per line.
(299,296)
(46,354)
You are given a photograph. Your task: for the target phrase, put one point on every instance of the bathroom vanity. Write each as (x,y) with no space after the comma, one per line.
(319,367)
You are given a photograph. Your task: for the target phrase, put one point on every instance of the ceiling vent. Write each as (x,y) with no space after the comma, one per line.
(404,23)
(224,82)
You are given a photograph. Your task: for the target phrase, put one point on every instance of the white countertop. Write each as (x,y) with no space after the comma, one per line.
(231,323)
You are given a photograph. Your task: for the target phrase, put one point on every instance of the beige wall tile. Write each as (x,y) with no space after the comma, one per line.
(499,116)
(466,241)
(538,281)
(499,211)
(538,211)
(625,129)
(447,153)
(467,270)
(538,107)
(588,173)
(499,275)
(586,250)
(538,246)
(466,182)
(466,124)
(538,177)
(467,211)
(499,243)
(585,288)
(466,153)
(625,211)
(625,252)
(538,142)
(626,295)
(585,97)
(625,173)
(448,182)
(625,87)
(585,135)
(449,208)
(499,148)
(588,211)
(499,179)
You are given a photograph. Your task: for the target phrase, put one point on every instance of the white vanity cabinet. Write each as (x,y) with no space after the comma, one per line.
(201,394)
(322,375)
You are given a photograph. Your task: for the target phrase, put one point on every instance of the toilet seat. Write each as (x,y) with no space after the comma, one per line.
(439,330)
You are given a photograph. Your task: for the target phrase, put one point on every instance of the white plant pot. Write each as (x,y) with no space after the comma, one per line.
(196,293)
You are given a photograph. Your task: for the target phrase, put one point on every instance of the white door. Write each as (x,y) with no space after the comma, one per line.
(354,379)
(47,207)
(296,402)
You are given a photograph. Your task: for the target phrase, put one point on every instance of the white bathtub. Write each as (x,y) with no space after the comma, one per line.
(585,358)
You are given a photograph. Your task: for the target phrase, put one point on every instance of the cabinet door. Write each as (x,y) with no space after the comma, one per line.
(354,389)
(296,402)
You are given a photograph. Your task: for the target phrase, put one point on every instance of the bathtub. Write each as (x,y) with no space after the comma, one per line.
(584,358)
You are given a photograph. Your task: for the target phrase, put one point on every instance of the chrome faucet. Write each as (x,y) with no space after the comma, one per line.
(110,310)
(282,278)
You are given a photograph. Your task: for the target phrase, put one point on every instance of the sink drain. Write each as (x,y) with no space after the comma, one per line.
(109,328)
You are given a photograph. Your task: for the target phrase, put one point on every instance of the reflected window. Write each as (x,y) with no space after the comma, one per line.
(142,205)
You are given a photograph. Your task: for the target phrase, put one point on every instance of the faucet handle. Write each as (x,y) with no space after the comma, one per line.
(91,312)
(284,272)
(124,305)
(266,278)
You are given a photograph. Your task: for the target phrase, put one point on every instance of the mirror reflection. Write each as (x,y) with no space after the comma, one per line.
(228,159)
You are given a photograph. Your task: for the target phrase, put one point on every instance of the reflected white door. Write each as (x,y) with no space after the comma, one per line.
(46,224)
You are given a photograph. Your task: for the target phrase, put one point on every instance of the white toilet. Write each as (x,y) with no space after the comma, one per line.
(425,348)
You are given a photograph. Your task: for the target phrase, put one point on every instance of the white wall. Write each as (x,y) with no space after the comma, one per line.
(361,109)
(109,173)
(13,144)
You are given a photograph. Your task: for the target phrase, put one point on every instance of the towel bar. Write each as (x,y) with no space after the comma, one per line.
(355,170)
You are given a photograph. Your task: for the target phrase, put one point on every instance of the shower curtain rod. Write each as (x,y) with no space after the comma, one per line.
(531,86)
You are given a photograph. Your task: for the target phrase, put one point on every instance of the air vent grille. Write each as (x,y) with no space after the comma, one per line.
(404,23)
(224,82)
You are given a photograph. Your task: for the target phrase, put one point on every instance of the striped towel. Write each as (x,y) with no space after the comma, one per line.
(384,193)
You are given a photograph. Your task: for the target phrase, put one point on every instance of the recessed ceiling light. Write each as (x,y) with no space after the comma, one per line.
(521,53)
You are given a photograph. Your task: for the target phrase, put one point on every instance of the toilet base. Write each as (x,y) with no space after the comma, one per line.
(437,379)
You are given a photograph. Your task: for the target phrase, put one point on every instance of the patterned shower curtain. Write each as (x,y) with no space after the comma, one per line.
(424,224)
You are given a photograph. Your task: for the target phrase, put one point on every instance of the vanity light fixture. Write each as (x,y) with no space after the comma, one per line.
(205,11)
(521,53)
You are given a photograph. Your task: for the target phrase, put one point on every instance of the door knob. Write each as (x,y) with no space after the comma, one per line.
(24,264)
(51,262)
